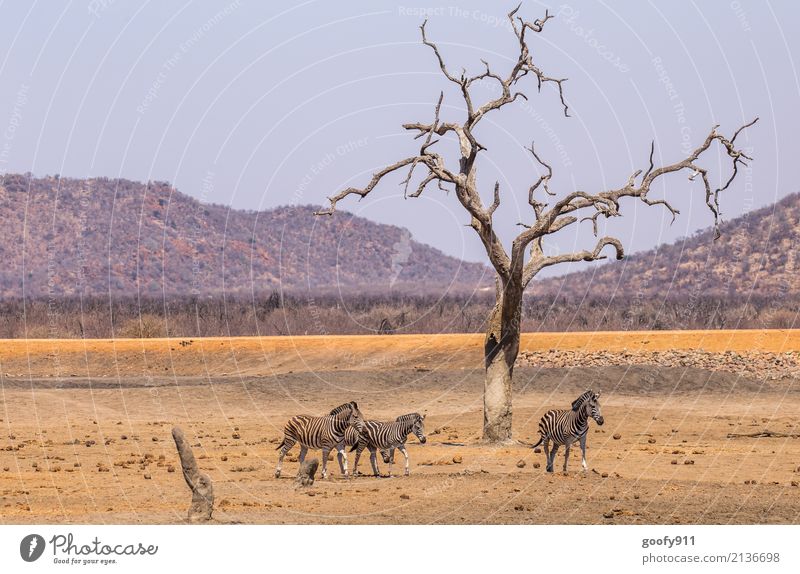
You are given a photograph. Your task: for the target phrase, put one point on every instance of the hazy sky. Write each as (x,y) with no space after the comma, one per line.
(255,104)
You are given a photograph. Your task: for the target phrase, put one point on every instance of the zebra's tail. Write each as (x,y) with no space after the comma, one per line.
(541,440)
(280,446)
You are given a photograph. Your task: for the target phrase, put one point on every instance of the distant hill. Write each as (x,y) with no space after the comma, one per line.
(101,236)
(756,255)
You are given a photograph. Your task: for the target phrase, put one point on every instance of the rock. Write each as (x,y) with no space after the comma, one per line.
(651,441)
(608,515)
(147,476)
(538,450)
(688,462)
(520,464)
(236,435)
(405,497)
(457,459)
(673,461)
(536,465)
(794,483)
(604,475)
(617,436)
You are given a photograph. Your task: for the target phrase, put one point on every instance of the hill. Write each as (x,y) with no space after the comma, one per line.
(66,237)
(755,256)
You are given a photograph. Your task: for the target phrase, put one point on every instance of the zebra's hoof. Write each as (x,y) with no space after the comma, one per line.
(277,474)
(406,473)
(549,469)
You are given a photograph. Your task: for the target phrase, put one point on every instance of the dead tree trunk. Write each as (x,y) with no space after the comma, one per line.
(516,269)
(202,490)
(307,472)
(501,348)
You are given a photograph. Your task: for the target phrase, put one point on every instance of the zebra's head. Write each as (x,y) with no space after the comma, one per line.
(418,425)
(352,413)
(590,401)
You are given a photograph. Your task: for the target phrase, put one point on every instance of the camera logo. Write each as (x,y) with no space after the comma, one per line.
(31,548)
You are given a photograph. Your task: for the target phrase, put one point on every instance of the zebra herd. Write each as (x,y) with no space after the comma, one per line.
(345,427)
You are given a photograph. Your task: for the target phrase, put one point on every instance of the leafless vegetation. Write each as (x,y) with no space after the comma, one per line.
(370,314)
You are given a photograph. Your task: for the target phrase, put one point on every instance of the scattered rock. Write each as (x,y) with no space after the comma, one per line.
(604,475)
(651,441)
(537,450)
(688,461)
(617,436)
(147,476)
(794,482)
(673,461)
(405,497)
(608,515)
(536,465)
(457,459)
(521,464)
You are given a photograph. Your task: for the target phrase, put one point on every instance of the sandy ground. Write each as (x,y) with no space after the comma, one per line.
(86,432)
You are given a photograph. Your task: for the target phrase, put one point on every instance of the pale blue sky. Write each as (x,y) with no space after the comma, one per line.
(281,103)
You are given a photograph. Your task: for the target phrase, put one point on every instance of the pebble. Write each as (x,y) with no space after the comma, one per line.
(457,459)
(617,436)
(521,464)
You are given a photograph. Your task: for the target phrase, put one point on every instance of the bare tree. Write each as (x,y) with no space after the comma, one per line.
(515,270)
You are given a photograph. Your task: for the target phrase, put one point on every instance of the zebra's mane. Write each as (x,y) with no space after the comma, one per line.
(578,403)
(409,417)
(350,407)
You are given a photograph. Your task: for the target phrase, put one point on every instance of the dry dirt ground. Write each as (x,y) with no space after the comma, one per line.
(86,432)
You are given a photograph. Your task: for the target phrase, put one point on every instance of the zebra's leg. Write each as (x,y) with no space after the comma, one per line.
(546,445)
(552,460)
(288,443)
(325,452)
(391,460)
(302,457)
(342,456)
(359,450)
(566,455)
(583,450)
(402,448)
(373,458)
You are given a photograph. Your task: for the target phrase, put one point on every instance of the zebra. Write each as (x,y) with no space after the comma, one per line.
(326,433)
(567,426)
(387,437)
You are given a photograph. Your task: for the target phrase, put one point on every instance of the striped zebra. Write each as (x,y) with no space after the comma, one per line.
(567,426)
(386,437)
(326,433)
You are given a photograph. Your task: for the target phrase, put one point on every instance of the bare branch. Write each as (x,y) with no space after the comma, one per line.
(544,179)
(423,151)
(376,179)
(496,201)
(539,262)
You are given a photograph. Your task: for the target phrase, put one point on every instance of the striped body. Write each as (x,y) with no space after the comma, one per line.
(387,437)
(564,427)
(325,433)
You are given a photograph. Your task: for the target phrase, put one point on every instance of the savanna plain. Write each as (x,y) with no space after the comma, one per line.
(86,429)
